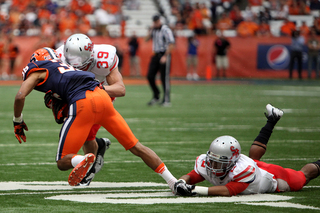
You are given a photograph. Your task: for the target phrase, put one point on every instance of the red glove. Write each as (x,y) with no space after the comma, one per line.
(18,130)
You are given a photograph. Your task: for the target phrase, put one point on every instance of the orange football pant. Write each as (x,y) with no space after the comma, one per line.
(96,108)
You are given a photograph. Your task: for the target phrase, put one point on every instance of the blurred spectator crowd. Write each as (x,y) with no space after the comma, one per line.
(245,18)
(48,17)
(203,17)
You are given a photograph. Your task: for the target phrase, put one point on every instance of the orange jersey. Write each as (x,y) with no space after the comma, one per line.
(287,28)
(195,20)
(247,28)
(225,24)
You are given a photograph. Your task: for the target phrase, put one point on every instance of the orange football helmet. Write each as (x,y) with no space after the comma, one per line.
(43,54)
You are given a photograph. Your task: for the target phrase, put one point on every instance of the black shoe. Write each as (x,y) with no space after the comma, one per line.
(153,101)
(103,145)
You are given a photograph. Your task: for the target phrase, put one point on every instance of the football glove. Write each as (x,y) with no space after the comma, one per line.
(48,99)
(59,107)
(60,110)
(19,128)
(183,189)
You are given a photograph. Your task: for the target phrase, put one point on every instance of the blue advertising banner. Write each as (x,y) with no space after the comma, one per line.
(277,57)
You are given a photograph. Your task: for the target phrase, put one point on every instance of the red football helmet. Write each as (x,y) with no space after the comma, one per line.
(43,54)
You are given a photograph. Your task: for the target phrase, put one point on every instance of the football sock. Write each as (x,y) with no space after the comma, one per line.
(100,142)
(76,159)
(265,132)
(166,175)
(317,163)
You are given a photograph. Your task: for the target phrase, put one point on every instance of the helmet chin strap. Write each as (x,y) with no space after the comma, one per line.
(88,67)
(223,176)
(91,65)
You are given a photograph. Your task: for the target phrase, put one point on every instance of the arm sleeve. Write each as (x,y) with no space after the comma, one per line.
(195,177)
(236,187)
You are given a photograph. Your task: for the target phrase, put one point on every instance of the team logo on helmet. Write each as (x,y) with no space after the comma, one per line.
(278,57)
(235,151)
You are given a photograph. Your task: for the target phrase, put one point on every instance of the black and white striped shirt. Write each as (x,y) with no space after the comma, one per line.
(162,38)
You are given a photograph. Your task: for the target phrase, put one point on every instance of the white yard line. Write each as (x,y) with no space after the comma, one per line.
(167,161)
(141,196)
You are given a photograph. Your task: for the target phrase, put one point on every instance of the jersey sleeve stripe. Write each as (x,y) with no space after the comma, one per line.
(246,173)
(36,70)
(115,63)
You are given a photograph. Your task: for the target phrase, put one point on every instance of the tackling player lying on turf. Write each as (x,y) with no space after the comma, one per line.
(234,173)
(88,105)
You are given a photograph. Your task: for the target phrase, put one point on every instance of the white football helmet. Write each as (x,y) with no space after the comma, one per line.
(223,153)
(78,51)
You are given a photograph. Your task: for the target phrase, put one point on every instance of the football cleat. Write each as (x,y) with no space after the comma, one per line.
(79,172)
(273,113)
(103,145)
(87,179)
(102,148)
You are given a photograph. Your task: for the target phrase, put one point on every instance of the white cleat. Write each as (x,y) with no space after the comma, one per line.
(273,113)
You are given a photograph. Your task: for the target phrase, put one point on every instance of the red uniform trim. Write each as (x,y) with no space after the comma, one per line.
(244,174)
(195,177)
(37,70)
(114,65)
(236,187)
(93,132)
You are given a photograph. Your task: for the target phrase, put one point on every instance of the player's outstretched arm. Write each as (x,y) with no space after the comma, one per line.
(115,87)
(26,87)
(183,188)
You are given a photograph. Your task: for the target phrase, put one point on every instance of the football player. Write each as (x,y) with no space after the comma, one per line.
(88,104)
(102,60)
(233,173)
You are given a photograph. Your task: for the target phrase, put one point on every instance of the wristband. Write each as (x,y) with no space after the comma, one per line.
(18,119)
(182,180)
(200,190)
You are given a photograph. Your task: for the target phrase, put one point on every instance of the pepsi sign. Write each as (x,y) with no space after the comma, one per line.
(278,57)
(275,57)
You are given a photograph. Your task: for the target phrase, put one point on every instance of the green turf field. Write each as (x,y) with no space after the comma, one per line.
(178,134)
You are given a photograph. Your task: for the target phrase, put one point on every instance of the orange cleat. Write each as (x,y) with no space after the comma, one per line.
(80,171)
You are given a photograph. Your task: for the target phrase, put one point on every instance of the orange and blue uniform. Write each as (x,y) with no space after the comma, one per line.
(88,105)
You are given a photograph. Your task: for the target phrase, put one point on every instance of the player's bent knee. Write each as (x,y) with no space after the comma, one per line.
(62,165)
(310,171)
(283,186)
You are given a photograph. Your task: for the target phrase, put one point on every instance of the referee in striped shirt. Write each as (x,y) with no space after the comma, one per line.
(163,43)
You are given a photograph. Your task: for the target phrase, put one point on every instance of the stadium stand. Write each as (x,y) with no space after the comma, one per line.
(123,18)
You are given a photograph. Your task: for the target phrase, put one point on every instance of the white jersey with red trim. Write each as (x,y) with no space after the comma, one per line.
(245,171)
(105,60)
